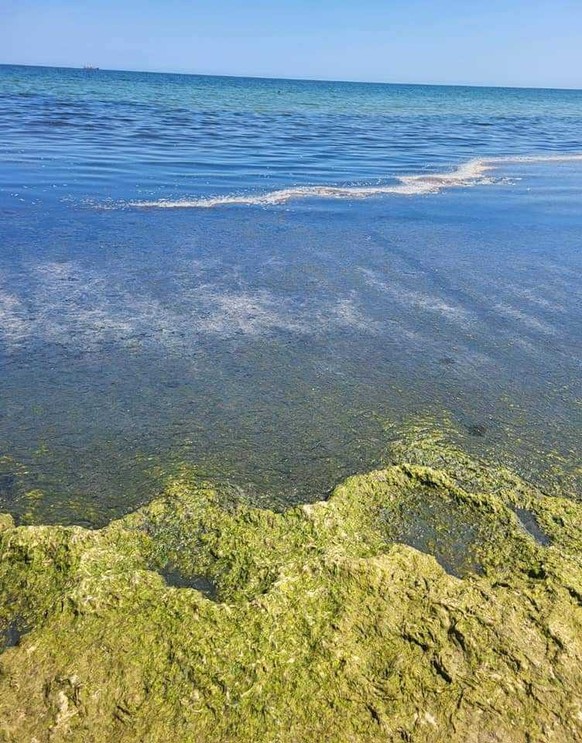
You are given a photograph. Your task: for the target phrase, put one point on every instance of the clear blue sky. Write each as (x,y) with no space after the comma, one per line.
(497,42)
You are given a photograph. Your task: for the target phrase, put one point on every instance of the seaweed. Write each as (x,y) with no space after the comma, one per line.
(411,605)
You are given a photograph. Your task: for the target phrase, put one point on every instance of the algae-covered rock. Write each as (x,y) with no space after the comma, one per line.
(6,521)
(418,603)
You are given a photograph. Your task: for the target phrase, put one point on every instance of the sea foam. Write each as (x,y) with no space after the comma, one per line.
(478,171)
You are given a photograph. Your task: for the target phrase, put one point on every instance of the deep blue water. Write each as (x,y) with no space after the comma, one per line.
(353,273)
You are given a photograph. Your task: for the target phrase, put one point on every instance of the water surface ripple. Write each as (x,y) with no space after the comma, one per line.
(277,340)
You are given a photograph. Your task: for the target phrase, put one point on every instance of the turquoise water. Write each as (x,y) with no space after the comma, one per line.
(124,135)
(365,254)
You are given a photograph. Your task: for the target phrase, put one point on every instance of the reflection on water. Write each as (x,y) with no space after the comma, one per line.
(275,347)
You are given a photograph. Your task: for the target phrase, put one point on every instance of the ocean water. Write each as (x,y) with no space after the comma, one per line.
(266,278)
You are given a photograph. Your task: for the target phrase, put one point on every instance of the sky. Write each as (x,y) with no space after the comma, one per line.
(535,43)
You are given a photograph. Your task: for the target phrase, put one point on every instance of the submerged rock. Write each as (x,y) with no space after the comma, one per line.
(323,624)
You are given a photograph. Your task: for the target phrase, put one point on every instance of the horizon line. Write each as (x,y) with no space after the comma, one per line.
(292,79)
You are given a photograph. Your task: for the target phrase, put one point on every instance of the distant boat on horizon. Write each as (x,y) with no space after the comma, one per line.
(90,68)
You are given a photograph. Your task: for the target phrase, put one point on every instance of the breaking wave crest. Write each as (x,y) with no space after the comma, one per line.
(472,173)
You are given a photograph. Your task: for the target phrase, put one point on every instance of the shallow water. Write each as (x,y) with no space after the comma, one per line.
(275,347)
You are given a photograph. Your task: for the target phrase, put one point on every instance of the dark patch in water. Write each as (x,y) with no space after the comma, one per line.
(447,361)
(7,486)
(439,528)
(477,429)
(11,635)
(177,579)
(530,523)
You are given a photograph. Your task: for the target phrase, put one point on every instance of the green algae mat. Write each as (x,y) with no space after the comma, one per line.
(437,599)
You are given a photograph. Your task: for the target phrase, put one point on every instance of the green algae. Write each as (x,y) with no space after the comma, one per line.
(325,623)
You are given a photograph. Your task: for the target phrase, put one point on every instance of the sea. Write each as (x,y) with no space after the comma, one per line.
(268,280)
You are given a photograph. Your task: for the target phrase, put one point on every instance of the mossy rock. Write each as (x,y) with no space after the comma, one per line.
(414,605)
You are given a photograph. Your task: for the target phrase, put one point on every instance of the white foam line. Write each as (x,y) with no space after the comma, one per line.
(471,173)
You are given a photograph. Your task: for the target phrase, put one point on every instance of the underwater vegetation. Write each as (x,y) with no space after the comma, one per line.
(438,598)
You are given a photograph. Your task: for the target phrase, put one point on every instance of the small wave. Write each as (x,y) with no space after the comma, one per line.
(473,173)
